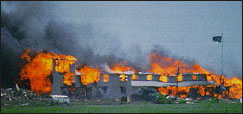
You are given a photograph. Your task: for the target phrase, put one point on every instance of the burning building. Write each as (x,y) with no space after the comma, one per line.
(51,73)
(120,85)
(57,74)
(62,75)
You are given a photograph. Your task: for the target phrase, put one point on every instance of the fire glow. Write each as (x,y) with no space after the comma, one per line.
(121,67)
(39,68)
(170,66)
(89,75)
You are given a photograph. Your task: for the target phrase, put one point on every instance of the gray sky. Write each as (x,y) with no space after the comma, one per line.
(185,29)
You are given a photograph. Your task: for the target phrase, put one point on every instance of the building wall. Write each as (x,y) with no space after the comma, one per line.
(201,77)
(58,87)
(114,88)
(155,77)
(172,79)
(142,77)
(56,82)
(189,77)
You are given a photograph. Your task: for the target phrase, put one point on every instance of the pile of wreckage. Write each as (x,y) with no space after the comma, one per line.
(19,96)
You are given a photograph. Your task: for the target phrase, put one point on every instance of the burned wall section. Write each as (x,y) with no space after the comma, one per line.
(114,88)
(57,81)
(58,86)
(199,77)
(146,77)
(172,79)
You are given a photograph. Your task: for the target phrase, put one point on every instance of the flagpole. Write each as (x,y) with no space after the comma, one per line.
(219,39)
(222,66)
(178,72)
(222,55)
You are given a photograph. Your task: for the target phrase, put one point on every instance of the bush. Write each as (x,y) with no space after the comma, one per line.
(215,100)
(182,101)
(53,103)
(160,99)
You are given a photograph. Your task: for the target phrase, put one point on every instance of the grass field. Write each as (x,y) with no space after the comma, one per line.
(130,108)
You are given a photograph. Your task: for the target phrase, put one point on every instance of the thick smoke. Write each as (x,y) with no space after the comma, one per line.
(14,37)
(31,25)
(10,49)
(34,25)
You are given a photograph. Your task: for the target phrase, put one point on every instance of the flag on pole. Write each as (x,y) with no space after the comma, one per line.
(217,38)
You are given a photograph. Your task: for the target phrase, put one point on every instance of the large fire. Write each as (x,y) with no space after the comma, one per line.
(165,65)
(236,87)
(39,68)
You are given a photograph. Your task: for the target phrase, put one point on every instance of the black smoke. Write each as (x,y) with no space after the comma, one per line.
(28,25)
(31,25)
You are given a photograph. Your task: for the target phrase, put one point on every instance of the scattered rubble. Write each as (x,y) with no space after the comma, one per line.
(19,96)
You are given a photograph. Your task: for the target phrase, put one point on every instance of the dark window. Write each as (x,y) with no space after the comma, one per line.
(123,90)
(170,91)
(105,89)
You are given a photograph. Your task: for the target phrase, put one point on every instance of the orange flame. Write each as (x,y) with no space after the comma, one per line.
(38,70)
(235,90)
(89,75)
(62,66)
(105,78)
(123,77)
(121,67)
(134,77)
(25,55)
(169,65)
(68,78)
(166,65)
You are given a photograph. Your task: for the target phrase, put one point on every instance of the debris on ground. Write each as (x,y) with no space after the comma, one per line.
(19,96)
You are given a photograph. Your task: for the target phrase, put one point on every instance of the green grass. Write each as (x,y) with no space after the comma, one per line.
(130,108)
